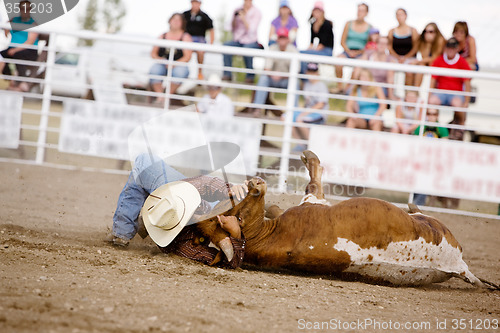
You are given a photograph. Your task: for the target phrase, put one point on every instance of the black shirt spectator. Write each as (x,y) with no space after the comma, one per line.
(197,25)
(325,34)
(321,34)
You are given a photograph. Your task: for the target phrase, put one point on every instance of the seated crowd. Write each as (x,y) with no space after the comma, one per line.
(359,40)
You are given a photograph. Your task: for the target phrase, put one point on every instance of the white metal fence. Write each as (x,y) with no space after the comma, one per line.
(119,70)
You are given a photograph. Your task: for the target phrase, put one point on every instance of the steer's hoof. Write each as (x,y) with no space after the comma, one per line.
(308,157)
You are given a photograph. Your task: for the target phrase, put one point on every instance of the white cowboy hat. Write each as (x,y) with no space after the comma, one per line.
(168,209)
(214,80)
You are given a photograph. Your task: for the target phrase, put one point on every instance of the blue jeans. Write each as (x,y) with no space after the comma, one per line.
(325,51)
(162,69)
(149,173)
(419,199)
(228,58)
(447,98)
(199,39)
(267,81)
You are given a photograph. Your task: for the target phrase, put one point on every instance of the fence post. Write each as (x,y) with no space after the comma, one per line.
(170,68)
(46,99)
(425,104)
(287,132)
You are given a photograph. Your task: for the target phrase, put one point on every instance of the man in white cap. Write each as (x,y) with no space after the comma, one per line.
(215,103)
(171,204)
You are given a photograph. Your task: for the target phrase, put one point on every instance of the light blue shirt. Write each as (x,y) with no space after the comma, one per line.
(20,37)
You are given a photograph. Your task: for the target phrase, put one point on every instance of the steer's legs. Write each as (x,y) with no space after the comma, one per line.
(312,164)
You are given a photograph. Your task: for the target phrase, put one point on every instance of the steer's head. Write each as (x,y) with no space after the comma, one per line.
(257,187)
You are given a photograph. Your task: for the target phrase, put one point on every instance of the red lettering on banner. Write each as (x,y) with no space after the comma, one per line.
(460,186)
(396,178)
(332,140)
(475,187)
(492,158)
(343,143)
(385,146)
(448,157)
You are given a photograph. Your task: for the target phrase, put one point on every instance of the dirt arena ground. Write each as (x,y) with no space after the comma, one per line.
(58,275)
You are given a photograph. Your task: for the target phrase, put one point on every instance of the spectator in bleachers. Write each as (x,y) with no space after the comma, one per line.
(354,40)
(429,46)
(362,107)
(372,40)
(286,20)
(215,103)
(410,111)
(451,59)
(380,75)
(402,38)
(401,42)
(18,52)
(466,44)
(197,25)
(244,24)
(275,65)
(315,86)
(177,31)
(432,116)
(321,34)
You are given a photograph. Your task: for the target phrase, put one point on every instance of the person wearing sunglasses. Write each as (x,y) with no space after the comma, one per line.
(428,47)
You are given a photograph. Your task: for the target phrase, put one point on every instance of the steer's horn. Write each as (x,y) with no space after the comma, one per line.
(227,247)
(413,209)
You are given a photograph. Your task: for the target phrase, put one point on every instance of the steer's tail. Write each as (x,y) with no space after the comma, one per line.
(489,285)
(472,279)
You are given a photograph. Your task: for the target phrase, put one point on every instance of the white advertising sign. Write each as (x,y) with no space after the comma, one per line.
(10,120)
(176,131)
(408,163)
(124,132)
(97,129)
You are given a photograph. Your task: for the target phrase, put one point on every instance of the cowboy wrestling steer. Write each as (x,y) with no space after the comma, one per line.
(366,237)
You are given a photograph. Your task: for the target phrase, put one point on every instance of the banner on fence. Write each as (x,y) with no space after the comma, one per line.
(10,120)
(98,129)
(408,163)
(124,132)
(174,132)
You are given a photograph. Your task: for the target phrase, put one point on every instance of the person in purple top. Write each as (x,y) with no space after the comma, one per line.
(286,20)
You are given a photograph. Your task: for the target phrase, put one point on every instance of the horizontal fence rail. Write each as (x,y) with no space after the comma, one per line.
(43,107)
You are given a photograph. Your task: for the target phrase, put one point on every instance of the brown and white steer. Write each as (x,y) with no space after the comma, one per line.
(369,238)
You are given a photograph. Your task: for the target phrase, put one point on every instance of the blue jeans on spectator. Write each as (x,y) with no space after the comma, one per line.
(419,199)
(327,51)
(446,98)
(149,173)
(199,39)
(267,81)
(228,58)
(162,69)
